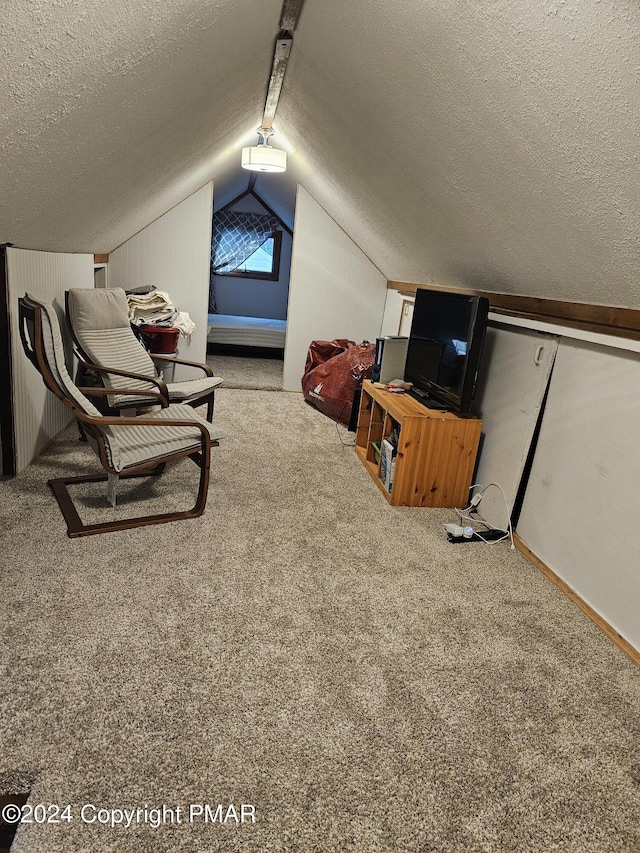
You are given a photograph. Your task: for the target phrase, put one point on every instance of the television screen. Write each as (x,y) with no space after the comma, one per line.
(444,348)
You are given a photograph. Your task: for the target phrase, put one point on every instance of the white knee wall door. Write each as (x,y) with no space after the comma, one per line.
(578,509)
(512,381)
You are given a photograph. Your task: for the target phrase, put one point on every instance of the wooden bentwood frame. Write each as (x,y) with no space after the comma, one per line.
(32,341)
(207,397)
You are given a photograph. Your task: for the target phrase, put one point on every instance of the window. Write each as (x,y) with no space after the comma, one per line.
(264,262)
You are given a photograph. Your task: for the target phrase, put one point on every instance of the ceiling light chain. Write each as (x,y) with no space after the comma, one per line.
(264,133)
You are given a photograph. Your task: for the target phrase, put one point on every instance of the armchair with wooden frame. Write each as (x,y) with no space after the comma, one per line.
(126,446)
(99,322)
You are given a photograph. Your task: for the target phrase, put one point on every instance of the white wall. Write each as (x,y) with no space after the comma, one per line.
(335,291)
(398,314)
(38,414)
(512,381)
(255,297)
(578,512)
(392,313)
(173,253)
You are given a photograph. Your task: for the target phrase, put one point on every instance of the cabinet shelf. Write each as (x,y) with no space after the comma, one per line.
(436,451)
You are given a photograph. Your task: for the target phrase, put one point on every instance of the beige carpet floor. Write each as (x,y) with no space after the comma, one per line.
(263,374)
(308,651)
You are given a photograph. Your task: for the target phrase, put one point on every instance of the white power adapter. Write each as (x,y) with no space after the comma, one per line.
(454,529)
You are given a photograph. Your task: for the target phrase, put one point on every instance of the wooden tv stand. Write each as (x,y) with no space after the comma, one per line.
(436,450)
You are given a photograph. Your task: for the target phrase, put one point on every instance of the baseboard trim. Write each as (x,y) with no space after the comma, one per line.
(624,645)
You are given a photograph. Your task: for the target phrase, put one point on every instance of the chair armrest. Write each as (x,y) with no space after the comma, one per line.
(130,374)
(206,442)
(205,367)
(133,392)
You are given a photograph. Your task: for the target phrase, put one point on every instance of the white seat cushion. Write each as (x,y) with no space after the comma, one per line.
(100,322)
(191,389)
(130,445)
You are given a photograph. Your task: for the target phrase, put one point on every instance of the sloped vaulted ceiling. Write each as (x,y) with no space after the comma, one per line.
(113,112)
(492,144)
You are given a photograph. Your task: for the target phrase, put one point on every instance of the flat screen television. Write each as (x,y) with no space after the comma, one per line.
(444,349)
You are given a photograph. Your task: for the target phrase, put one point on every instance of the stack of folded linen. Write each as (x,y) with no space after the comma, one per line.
(155,308)
(151,308)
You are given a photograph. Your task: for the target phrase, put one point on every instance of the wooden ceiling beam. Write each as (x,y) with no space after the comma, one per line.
(278,70)
(290,14)
(288,22)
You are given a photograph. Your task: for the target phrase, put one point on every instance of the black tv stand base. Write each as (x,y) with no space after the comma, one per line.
(426,400)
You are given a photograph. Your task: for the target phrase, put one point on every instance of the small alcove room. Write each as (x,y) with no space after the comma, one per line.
(249,288)
(395,604)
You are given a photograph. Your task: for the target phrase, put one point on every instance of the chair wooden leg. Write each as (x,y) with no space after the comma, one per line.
(210,401)
(76,527)
(210,407)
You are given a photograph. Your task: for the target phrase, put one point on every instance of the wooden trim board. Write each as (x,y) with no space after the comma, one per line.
(606,319)
(624,645)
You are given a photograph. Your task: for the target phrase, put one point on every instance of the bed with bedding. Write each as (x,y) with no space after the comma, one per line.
(232,334)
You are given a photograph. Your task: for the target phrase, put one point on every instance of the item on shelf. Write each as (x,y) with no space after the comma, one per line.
(397,386)
(387,463)
(161,339)
(390,358)
(445,346)
(149,307)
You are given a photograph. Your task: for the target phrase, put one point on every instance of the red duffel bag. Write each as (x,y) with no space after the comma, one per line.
(333,372)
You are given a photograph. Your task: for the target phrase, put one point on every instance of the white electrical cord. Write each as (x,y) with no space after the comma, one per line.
(464,514)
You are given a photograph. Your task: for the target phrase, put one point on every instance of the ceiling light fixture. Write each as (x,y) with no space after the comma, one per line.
(262,157)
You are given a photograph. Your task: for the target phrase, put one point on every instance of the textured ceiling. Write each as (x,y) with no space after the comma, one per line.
(113,112)
(492,144)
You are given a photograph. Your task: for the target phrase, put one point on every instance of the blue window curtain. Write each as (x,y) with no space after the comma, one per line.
(236,236)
